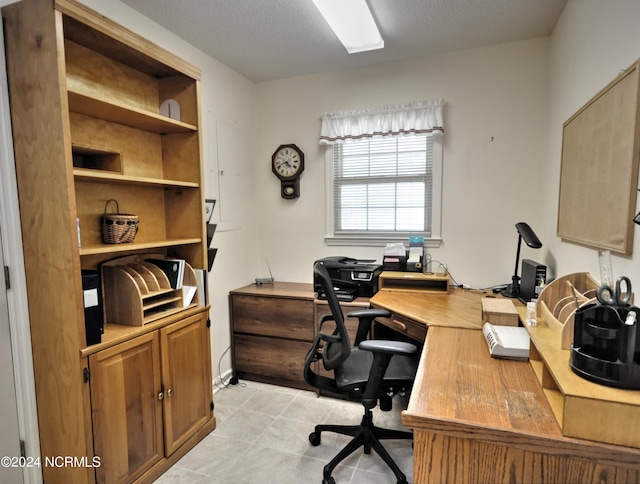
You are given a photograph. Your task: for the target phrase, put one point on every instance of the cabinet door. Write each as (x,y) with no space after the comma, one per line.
(126,410)
(186,379)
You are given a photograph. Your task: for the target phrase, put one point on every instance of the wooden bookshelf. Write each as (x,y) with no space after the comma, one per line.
(85,96)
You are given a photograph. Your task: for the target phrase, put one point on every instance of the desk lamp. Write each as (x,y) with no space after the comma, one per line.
(531,239)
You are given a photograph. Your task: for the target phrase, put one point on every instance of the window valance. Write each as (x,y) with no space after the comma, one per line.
(423,117)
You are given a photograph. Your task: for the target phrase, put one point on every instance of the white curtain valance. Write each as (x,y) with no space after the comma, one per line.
(421,117)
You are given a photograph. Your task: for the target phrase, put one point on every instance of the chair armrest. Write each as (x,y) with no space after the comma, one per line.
(332,338)
(390,347)
(324,319)
(370,313)
(365,320)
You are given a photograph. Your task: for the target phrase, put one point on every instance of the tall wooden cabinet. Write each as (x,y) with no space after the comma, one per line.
(85,97)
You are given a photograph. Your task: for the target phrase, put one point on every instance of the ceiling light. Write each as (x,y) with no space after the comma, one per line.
(352,22)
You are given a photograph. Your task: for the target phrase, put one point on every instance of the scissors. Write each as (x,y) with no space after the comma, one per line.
(610,298)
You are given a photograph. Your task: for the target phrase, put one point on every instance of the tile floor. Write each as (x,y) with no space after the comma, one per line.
(262,437)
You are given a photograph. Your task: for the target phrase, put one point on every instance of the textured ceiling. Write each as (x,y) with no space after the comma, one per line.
(272,39)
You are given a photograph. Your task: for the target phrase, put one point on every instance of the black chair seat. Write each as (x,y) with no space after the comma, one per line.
(354,372)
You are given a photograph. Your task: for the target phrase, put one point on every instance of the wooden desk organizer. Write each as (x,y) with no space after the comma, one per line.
(137,292)
(559,300)
(583,409)
(413,281)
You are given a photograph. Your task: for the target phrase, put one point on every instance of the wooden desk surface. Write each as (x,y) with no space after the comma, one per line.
(482,419)
(458,380)
(461,308)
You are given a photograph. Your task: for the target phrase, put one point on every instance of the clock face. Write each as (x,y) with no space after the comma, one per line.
(287,162)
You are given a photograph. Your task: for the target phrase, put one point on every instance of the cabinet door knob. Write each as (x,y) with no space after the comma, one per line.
(169,392)
(160,396)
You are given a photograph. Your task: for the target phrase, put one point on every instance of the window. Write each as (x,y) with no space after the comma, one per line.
(384,173)
(384,189)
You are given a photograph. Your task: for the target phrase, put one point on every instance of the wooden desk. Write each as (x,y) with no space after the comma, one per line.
(478,419)
(459,308)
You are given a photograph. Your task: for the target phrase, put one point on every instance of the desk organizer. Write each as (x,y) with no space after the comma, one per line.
(560,299)
(604,348)
(583,409)
(136,292)
(413,282)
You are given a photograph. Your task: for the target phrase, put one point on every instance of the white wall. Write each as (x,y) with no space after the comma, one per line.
(591,44)
(495,128)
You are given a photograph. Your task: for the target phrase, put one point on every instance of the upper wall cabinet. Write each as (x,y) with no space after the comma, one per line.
(599,174)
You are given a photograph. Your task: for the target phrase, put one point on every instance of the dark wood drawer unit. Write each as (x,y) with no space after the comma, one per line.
(273,328)
(271,316)
(270,359)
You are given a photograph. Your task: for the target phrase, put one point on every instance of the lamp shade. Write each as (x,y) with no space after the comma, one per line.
(528,235)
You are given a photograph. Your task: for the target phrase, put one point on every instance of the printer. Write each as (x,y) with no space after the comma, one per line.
(351,278)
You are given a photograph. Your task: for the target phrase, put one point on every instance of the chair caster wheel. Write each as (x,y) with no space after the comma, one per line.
(328,480)
(314,438)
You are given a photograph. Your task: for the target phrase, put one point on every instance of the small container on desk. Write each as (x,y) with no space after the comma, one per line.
(498,311)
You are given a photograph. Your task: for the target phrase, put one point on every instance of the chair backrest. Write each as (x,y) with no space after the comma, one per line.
(338,348)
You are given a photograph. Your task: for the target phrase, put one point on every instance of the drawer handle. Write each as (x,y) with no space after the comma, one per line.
(401,325)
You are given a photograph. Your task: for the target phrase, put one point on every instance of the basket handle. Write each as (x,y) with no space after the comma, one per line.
(106,206)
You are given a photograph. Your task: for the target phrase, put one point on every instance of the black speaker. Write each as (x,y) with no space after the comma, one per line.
(532,277)
(93,315)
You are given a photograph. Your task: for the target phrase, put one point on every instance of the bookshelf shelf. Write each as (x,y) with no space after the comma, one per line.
(125,115)
(96,176)
(134,246)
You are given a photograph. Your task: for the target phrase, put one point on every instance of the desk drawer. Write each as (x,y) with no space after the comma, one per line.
(274,358)
(412,329)
(270,316)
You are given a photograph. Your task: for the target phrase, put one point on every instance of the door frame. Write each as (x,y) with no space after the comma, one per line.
(17,303)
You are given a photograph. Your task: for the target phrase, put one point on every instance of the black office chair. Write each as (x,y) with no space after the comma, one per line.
(372,370)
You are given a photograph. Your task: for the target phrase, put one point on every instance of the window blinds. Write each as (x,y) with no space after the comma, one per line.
(383,185)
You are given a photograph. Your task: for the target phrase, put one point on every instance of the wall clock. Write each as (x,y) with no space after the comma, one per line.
(287,163)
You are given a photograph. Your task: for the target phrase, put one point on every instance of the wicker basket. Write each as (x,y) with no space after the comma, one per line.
(118,228)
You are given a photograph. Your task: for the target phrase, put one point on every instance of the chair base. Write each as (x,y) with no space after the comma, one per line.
(365,435)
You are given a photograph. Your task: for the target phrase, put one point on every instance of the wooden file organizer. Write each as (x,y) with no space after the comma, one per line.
(583,409)
(413,282)
(137,292)
(559,300)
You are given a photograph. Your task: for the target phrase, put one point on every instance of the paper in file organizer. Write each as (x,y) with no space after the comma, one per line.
(510,342)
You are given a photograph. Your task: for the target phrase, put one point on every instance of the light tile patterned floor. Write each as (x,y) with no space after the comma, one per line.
(262,437)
